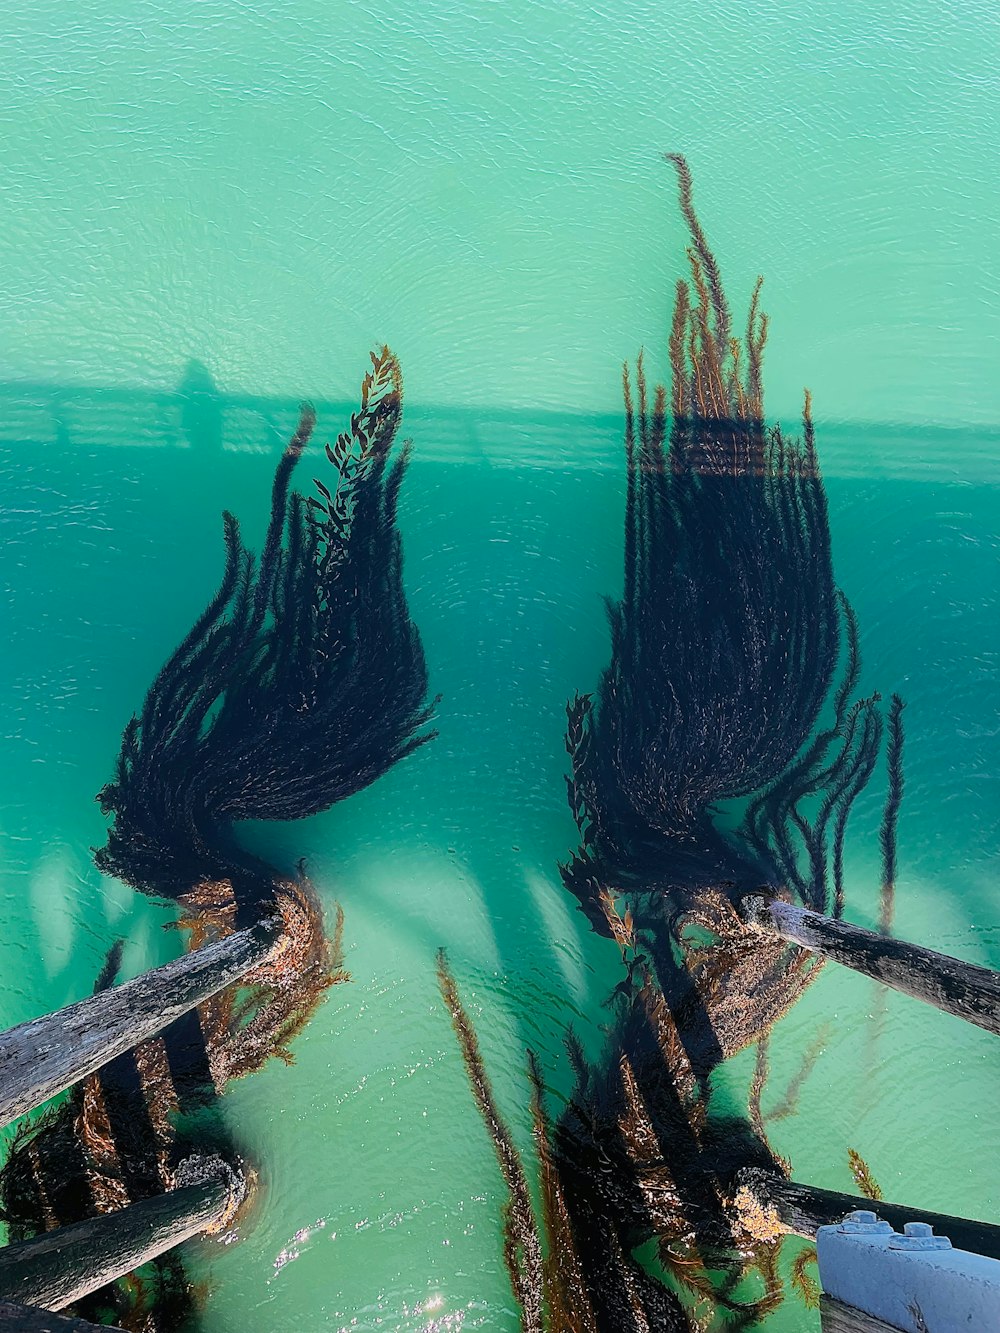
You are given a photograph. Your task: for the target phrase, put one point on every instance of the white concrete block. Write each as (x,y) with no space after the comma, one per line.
(915,1282)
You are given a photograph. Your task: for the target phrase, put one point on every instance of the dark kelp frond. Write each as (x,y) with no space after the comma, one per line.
(300,683)
(890,814)
(724,748)
(863,1178)
(762,1069)
(804,1282)
(522,1247)
(587,1280)
(108,975)
(726,639)
(566,1300)
(705,258)
(303,680)
(789,1103)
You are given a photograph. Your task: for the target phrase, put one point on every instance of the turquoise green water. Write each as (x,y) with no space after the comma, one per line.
(270,191)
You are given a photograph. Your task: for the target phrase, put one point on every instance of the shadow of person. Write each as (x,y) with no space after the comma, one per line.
(201,407)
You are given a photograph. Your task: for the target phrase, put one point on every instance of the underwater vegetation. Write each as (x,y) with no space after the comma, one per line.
(723,750)
(548,1281)
(727,639)
(301,682)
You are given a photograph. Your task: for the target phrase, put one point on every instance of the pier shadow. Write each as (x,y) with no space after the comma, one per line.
(930,537)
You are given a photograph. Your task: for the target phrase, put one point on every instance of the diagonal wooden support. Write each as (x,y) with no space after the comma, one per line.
(803,1209)
(62,1266)
(30,1319)
(839,1318)
(44,1056)
(963,989)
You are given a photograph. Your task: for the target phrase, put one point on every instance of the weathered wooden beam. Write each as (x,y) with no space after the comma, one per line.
(962,989)
(803,1209)
(839,1318)
(29,1319)
(62,1266)
(42,1057)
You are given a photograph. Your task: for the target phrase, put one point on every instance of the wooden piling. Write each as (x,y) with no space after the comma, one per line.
(836,1317)
(30,1319)
(62,1266)
(802,1209)
(44,1056)
(963,989)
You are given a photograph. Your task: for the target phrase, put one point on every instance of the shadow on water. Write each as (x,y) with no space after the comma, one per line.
(202,410)
(111,549)
(197,414)
(301,682)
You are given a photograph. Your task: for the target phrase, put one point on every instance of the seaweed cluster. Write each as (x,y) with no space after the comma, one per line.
(301,682)
(726,641)
(547,1278)
(723,750)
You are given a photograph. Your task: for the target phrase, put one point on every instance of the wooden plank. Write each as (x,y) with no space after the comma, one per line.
(803,1209)
(62,1266)
(969,992)
(44,1056)
(29,1319)
(836,1317)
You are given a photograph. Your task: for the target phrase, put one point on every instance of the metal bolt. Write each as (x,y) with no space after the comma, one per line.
(864,1222)
(919,1236)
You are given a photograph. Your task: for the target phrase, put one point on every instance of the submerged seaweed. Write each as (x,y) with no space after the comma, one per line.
(723,750)
(521,1246)
(890,816)
(302,682)
(552,1276)
(711,760)
(862,1173)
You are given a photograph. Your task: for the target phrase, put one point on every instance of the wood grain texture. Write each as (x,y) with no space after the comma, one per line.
(836,1317)
(30,1319)
(61,1266)
(44,1056)
(969,992)
(803,1209)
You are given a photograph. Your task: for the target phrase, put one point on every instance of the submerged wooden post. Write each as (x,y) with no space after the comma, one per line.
(46,1055)
(962,989)
(836,1317)
(64,1265)
(802,1209)
(30,1319)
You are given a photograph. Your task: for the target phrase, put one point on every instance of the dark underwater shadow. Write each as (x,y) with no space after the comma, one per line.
(301,681)
(914,533)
